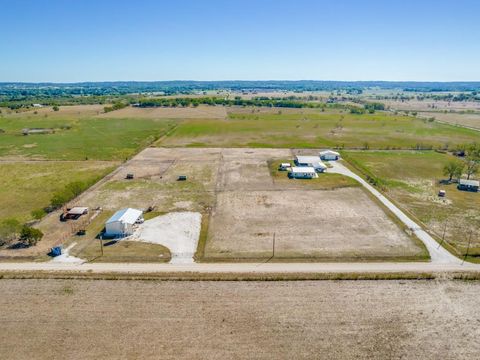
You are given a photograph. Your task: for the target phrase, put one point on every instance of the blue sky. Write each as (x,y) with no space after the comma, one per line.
(86,40)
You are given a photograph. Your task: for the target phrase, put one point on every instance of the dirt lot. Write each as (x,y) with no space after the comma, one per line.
(251,210)
(338,224)
(244,207)
(200,112)
(46,319)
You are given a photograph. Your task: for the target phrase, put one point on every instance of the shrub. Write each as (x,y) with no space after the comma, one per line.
(30,236)
(38,213)
(9,229)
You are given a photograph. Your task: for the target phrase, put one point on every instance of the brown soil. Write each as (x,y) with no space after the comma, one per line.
(45,319)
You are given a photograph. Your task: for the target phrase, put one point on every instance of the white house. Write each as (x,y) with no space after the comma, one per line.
(121,223)
(303,172)
(329,155)
(306,160)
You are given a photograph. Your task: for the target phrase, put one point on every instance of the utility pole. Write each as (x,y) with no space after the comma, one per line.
(101,244)
(443,236)
(273,250)
(468,246)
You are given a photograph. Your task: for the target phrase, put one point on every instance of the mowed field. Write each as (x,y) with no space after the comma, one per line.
(235,320)
(308,128)
(78,134)
(411,179)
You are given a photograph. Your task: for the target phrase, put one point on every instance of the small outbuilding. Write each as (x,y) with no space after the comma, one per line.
(302,172)
(468,185)
(122,222)
(329,155)
(284,166)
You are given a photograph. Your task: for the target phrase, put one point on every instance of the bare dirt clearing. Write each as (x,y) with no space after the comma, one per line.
(264,320)
(343,223)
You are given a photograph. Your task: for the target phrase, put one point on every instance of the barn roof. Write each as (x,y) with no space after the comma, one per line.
(303,169)
(307,159)
(329,152)
(127,215)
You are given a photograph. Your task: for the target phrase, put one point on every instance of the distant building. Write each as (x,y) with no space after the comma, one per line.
(37,105)
(303,172)
(121,223)
(468,185)
(329,155)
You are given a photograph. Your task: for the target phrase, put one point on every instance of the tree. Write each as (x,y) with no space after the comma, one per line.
(55,108)
(453,169)
(29,235)
(472,167)
(473,159)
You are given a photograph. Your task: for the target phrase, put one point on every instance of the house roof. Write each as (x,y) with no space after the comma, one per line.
(329,152)
(303,169)
(469,182)
(307,159)
(128,216)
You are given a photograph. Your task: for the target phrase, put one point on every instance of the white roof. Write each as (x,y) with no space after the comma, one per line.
(128,216)
(285,164)
(303,169)
(319,164)
(469,182)
(307,159)
(329,152)
(78,210)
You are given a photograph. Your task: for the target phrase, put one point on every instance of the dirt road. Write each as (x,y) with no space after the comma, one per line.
(244,268)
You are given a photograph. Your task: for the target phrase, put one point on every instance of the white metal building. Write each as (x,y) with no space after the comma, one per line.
(121,223)
(306,160)
(329,155)
(303,172)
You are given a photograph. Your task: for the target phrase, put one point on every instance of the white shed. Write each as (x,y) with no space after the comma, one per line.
(121,223)
(329,155)
(303,172)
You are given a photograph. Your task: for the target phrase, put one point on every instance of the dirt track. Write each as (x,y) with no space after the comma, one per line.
(45,319)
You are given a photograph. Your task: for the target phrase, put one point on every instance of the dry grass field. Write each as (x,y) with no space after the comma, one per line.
(411,179)
(200,112)
(455,118)
(430,104)
(45,319)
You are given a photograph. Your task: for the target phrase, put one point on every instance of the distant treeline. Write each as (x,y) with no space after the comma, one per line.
(175,87)
(259,101)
